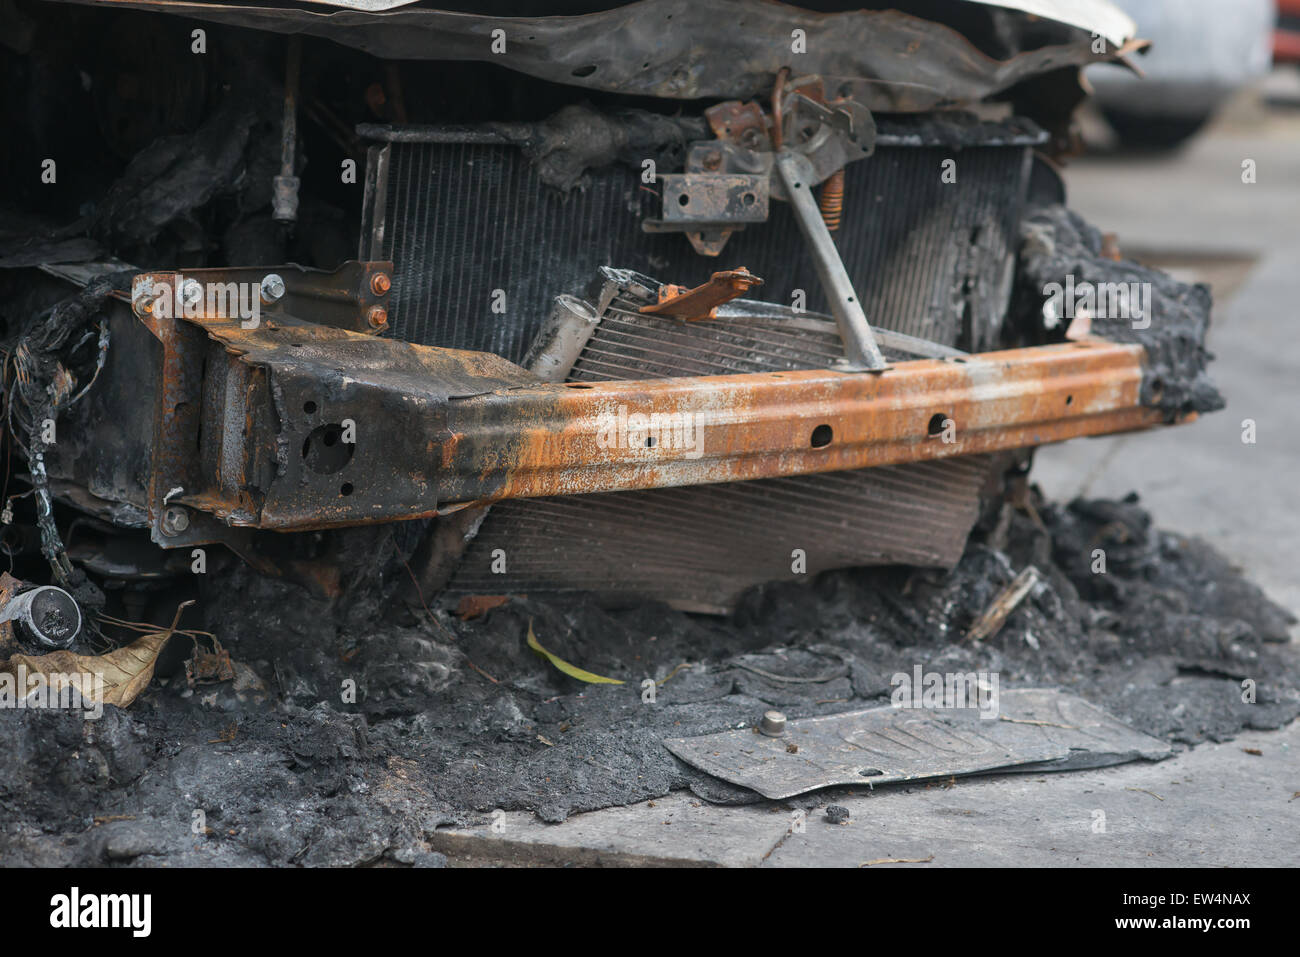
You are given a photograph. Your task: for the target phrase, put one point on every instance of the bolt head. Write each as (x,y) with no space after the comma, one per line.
(174,521)
(773,724)
(377,317)
(380,283)
(143,304)
(272,288)
(192,292)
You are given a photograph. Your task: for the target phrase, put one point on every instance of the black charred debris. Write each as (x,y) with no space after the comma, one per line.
(453,718)
(355,727)
(1057,243)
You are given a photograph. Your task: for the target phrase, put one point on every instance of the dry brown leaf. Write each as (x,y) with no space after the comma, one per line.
(476,606)
(126,671)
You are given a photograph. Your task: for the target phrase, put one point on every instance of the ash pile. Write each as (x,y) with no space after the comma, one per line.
(456,716)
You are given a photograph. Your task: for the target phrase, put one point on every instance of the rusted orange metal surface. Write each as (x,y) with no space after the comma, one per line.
(702,302)
(438,430)
(596,437)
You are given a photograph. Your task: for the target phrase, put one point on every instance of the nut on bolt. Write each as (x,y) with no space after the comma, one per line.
(380,283)
(174,521)
(773,724)
(377,317)
(272,288)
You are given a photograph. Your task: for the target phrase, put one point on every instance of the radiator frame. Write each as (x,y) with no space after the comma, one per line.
(965,246)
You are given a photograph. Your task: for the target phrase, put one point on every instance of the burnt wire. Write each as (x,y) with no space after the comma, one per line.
(44,378)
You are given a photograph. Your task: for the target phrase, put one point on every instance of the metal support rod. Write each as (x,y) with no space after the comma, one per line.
(859,344)
(284,199)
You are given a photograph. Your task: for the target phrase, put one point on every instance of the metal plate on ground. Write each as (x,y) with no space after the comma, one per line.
(1033,730)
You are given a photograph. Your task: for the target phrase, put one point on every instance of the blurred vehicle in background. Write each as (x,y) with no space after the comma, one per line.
(1202,51)
(1286,40)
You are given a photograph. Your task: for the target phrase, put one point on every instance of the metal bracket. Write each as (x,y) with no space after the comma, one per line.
(702,302)
(709,207)
(697,201)
(729,181)
(178,308)
(354,296)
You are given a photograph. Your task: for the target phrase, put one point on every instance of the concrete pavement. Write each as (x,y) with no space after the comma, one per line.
(1214,806)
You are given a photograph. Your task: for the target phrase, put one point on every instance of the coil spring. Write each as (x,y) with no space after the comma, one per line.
(832,200)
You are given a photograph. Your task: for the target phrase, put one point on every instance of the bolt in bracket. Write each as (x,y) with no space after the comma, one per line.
(344,298)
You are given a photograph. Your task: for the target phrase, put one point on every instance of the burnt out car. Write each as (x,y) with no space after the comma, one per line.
(472,303)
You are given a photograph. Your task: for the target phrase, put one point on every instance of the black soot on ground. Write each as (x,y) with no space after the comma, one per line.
(355,728)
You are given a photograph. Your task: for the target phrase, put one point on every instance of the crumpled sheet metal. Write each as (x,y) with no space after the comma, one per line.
(1096,16)
(890,60)
(1100,16)
(1035,730)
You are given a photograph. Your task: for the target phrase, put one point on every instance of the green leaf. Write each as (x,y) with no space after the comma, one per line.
(572,671)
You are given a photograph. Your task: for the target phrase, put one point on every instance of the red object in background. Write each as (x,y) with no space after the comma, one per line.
(1286,40)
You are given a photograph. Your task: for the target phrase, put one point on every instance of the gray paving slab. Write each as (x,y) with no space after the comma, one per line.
(1213,806)
(678,830)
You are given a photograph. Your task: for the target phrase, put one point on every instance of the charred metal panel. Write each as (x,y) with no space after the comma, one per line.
(105,444)
(698,548)
(1043,730)
(469,224)
(946,54)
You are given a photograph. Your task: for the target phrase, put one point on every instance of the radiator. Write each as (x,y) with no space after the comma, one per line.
(698,548)
(482,246)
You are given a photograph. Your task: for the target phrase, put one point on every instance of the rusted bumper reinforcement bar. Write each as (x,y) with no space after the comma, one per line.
(293,425)
(575,438)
